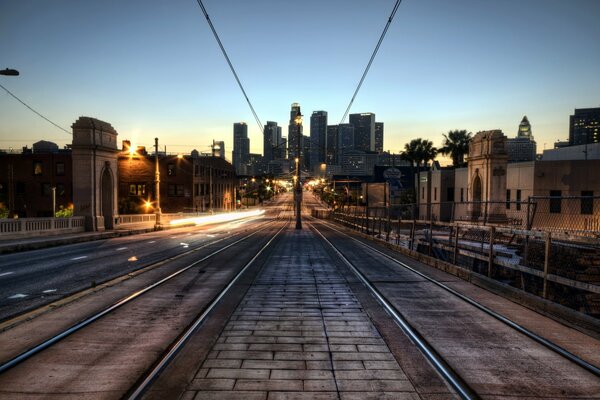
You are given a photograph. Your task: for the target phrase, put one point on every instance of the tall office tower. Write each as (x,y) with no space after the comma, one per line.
(241,147)
(218,148)
(523,147)
(271,141)
(281,152)
(294,135)
(364,131)
(332,142)
(346,136)
(584,126)
(379,137)
(318,138)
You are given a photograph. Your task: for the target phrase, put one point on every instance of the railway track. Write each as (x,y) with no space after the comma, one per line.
(461,384)
(178,282)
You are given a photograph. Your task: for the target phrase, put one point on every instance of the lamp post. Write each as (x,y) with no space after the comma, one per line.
(11,188)
(298,121)
(9,72)
(157,224)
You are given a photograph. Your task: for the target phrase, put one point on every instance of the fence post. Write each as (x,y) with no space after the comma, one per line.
(491,254)
(388,227)
(430,237)
(412,235)
(398,231)
(547,251)
(455,255)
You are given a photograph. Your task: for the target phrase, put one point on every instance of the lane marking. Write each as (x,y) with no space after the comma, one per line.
(6,273)
(49,291)
(18,296)
(122,248)
(78,258)
(130,259)
(152,241)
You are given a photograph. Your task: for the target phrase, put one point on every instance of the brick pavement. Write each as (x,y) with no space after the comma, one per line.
(300,333)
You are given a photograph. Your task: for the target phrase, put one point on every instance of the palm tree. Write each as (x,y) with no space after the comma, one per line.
(456,143)
(419,152)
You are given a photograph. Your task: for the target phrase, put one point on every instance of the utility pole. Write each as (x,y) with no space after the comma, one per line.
(298,121)
(157,224)
(210,189)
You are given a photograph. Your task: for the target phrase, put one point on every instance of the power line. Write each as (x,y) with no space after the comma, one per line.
(40,115)
(372,58)
(230,64)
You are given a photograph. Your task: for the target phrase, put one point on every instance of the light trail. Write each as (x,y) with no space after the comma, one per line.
(213,219)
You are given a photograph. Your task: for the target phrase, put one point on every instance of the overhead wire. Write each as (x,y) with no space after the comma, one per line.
(214,31)
(32,109)
(364,75)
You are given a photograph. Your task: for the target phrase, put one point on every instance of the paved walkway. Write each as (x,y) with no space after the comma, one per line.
(300,333)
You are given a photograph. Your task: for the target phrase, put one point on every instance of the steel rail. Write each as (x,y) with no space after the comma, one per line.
(9,323)
(89,320)
(178,345)
(453,379)
(521,329)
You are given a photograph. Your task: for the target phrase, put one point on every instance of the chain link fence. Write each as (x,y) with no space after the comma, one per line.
(527,248)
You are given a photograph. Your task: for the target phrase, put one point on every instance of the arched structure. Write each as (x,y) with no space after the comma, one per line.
(487,176)
(95,173)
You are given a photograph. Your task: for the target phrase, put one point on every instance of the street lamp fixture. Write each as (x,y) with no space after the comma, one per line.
(9,72)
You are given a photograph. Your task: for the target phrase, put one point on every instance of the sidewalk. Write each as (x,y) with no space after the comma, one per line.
(39,242)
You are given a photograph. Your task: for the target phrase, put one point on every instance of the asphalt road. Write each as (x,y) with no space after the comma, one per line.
(34,278)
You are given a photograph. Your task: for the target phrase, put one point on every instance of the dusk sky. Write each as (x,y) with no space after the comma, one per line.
(153,69)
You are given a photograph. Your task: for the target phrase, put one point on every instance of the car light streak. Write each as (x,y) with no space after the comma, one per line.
(212,219)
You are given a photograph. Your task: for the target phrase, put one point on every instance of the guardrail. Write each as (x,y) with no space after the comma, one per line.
(559,267)
(14,228)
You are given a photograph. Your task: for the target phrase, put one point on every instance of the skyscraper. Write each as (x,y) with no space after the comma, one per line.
(346,137)
(584,126)
(294,135)
(379,137)
(272,142)
(364,131)
(332,143)
(523,147)
(318,138)
(241,147)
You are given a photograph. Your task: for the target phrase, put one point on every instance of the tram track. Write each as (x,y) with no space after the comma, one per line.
(230,249)
(450,374)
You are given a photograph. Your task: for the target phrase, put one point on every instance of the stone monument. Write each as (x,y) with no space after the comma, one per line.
(487,176)
(95,173)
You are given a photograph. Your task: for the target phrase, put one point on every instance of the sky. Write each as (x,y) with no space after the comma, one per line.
(153,68)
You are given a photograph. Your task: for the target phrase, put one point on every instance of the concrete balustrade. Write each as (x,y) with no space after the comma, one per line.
(27,227)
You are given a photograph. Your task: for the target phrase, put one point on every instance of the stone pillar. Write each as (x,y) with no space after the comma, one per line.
(487,176)
(95,180)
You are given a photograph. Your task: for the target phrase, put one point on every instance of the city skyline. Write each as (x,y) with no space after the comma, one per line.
(152,69)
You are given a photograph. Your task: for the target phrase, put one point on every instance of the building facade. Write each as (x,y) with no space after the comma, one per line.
(318,138)
(241,147)
(523,147)
(295,137)
(584,126)
(364,131)
(379,137)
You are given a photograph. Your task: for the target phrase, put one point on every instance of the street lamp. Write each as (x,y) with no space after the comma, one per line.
(157,224)
(298,121)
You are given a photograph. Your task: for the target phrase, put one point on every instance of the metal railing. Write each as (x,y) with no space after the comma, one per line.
(558,266)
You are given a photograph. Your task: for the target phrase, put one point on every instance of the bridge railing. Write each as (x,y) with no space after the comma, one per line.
(20,227)
(562,267)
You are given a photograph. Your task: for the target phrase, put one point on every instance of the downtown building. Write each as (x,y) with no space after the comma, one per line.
(584,126)
(523,147)
(241,147)
(318,139)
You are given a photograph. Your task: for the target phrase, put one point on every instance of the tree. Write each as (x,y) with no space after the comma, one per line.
(419,152)
(456,144)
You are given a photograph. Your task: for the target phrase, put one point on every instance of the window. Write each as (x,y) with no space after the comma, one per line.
(46,189)
(60,168)
(587,202)
(3,188)
(450,194)
(434,194)
(20,187)
(555,202)
(60,189)
(423,193)
(196,189)
(171,170)
(196,170)
(175,190)
(137,189)
(462,195)
(519,200)
(38,168)
(508,199)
